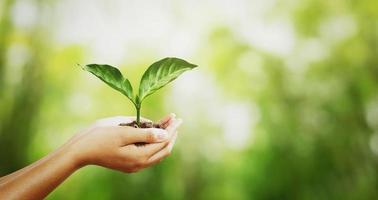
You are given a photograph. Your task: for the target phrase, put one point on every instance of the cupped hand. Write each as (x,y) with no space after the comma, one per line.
(107,144)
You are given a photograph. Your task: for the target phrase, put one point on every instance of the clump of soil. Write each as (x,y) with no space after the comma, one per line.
(142,125)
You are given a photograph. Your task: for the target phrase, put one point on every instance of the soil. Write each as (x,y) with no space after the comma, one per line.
(142,125)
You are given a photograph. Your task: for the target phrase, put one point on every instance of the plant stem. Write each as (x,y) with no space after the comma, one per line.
(138,116)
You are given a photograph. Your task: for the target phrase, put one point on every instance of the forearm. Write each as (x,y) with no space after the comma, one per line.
(37,180)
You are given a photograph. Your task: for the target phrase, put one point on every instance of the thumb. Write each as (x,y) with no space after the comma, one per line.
(146,135)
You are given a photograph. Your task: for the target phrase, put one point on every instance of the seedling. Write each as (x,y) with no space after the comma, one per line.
(157,76)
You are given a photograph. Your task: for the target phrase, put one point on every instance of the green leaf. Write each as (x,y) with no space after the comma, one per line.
(160,74)
(113,77)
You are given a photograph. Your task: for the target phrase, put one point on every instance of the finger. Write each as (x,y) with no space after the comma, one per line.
(150,149)
(167,123)
(145,151)
(149,135)
(167,119)
(146,135)
(173,142)
(164,152)
(174,125)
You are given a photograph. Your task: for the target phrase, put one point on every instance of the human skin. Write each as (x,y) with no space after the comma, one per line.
(105,144)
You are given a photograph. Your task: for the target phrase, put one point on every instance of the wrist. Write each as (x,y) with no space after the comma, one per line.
(74,157)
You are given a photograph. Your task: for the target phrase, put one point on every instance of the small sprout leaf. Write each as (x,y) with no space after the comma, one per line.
(113,77)
(160,74)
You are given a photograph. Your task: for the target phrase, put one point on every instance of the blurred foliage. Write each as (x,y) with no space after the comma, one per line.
(315,137)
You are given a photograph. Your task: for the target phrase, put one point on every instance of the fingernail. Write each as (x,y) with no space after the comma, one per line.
(173,115)
(160,134)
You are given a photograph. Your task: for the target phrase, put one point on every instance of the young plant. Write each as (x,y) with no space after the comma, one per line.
(157,76)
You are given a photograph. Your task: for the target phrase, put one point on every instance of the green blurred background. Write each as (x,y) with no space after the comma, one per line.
(284,104)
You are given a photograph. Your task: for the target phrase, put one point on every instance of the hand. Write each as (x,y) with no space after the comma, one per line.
(109,145)
(105,143)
